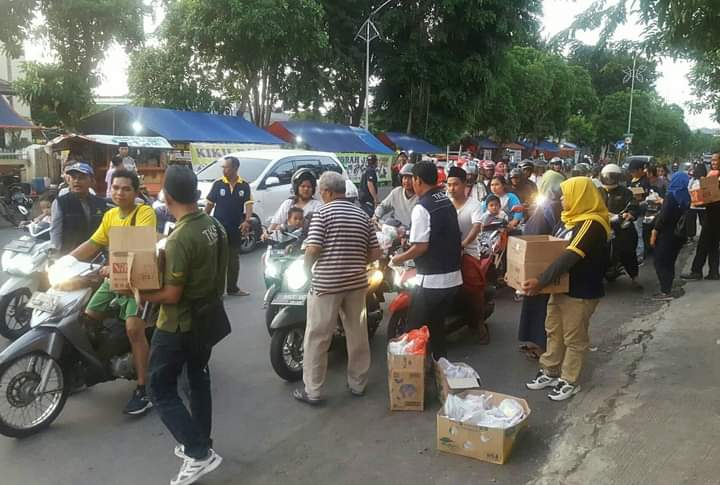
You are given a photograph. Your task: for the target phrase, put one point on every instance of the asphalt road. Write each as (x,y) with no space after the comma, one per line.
(265,436)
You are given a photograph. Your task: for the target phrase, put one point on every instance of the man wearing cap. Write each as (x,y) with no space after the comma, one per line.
(402,160)
(127,160)
(401,200)
(368,186)
(125,188)
(195,270)
(77,214)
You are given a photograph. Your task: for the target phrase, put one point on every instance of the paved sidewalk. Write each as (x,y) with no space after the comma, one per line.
(650,414)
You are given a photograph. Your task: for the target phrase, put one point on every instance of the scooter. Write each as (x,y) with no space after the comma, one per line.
(405,280)
(24,260)
(15,205)
(287,328)
(276,258)
(62,351)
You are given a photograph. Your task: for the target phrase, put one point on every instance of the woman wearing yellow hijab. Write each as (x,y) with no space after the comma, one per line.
(587,228)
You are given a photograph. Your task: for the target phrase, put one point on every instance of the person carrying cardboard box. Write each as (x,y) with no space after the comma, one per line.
(125,188)
(587,227)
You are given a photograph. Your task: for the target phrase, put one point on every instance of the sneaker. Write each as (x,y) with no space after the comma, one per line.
(180,452)
(238,292)
(302,396)
(563,390)
(192,470)
(541,381)
(138,404)
(662,297)
(692,276)
(355,392)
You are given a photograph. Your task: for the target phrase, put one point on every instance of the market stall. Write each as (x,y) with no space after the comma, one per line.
(150,154)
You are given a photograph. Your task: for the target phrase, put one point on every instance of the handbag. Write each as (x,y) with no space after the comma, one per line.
(680,231)
(210,322)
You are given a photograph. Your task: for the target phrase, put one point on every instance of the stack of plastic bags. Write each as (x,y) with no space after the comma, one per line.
(412,343)
(477,409)
(454,371)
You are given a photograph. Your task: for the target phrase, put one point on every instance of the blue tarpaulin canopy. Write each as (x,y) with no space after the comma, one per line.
(546,146)
(487,144)
(10,119)
(177,126)
(403,141)
(330,137)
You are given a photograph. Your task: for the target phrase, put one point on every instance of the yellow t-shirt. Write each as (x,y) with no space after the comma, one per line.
(112,218)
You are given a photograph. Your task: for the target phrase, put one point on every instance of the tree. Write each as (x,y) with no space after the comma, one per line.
(257,46)
(611,120)
(79,32)
(438,59)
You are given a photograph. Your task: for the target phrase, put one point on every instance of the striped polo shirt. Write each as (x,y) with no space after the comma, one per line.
(345,234)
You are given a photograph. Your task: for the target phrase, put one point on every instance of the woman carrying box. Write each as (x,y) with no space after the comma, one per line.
(586,225)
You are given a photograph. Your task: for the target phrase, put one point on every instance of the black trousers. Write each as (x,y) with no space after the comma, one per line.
(429,307)
(233,267)
(169,353)
(625,247)
(667,249)
(708,247)
(691,220)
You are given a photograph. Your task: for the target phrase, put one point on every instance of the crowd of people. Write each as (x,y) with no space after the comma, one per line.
(446,221)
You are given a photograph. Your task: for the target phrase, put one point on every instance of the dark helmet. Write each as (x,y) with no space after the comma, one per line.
(302,175)
(516,173)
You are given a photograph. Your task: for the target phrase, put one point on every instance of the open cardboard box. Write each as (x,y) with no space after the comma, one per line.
(707,193)
(529,256)
(133,261)
(487,444)
(449,385)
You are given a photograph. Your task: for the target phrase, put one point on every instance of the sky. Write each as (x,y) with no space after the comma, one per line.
(557,15)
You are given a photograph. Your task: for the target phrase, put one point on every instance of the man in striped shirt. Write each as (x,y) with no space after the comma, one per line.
(340,243)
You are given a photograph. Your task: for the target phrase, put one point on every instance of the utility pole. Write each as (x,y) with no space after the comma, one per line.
(632,74)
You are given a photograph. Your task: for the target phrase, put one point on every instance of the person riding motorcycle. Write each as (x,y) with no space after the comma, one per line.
(523,187)
(401,200)
(556,165)
(581,169)
(476,188)
(621,202)
(304,185)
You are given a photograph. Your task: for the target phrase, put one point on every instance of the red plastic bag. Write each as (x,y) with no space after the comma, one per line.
(417,340)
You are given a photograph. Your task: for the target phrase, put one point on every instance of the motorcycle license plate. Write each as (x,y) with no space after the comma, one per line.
(43,302)
(289,299)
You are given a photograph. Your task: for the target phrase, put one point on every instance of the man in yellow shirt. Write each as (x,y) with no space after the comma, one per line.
(125,187)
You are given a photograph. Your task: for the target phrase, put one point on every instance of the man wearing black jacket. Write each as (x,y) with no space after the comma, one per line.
(436,248)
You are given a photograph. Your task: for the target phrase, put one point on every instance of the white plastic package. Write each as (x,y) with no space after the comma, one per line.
(477,410)
(453,371)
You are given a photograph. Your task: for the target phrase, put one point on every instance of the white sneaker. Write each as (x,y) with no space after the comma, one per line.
(541,381)
(180,452)
(563,390)
(192,470)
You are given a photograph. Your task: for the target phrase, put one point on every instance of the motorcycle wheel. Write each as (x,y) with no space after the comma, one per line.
(14,314)
(270,313)
(22,411)
(397,324)
(248,243)
(286,353)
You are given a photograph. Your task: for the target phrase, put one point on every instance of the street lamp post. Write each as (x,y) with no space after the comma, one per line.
(632,74)
(369,32)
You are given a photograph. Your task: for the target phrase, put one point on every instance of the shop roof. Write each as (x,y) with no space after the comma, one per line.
(405,142)
(328,137)
(9,118)
(178,126)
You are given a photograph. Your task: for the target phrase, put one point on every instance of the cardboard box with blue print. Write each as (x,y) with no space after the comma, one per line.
(133,259)
(492,441)
(406,382)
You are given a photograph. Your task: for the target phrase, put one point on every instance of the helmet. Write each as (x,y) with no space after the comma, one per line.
(406,169)
(516,173)
(580,170)
(556,161)
(611,175)
(488,165)
(471,167)
(526,164)
(302,175)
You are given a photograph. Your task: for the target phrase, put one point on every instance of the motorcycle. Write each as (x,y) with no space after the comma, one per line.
(276,259)
(15,204)
(651,208)
(405,279)
(62,351)
(287,328)
(24,260)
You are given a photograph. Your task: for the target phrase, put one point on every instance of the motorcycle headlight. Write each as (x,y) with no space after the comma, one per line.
(375,277)
(17,263)
(272,271)
(295,275)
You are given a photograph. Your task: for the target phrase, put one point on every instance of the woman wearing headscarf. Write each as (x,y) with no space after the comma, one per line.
(586,225)
(545,219)
(670,232)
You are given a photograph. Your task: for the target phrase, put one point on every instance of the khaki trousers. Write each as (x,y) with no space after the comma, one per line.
(566,325)
(322,318)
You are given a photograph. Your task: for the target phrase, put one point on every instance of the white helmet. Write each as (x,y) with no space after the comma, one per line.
(610,175)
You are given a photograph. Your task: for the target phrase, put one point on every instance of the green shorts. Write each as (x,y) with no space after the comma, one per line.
(107,302)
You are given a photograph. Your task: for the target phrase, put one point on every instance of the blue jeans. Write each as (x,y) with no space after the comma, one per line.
(169,353)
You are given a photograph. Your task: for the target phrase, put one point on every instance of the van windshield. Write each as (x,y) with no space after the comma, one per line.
(250,169)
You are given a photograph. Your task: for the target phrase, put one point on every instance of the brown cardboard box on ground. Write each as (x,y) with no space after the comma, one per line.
(406,382)
(133,262)
(529,256)
(451,385)
(708,192)
(486,444)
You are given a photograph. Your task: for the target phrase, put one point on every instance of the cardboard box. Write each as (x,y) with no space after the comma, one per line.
(451,385)
(708,192)
(133,262)
(529,256)
(638,191)
(487,444)
(406,382)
